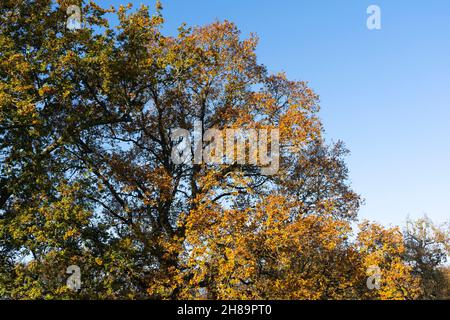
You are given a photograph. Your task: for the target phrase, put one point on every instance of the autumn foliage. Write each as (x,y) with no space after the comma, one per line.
(87,179)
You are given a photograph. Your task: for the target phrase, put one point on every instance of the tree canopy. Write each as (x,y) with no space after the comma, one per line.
(87,176)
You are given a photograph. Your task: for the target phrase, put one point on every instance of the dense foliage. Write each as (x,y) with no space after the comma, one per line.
(87,178)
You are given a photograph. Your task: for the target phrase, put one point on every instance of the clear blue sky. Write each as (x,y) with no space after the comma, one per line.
(385,93)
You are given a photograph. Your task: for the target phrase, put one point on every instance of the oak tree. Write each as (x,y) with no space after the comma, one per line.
(87,176)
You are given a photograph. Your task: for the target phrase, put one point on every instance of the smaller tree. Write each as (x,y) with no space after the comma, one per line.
(427,248)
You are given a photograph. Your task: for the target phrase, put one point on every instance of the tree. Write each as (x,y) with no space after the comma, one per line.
(87,120)
(427,249)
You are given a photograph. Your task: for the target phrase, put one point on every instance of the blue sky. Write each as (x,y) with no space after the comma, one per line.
(385,93)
